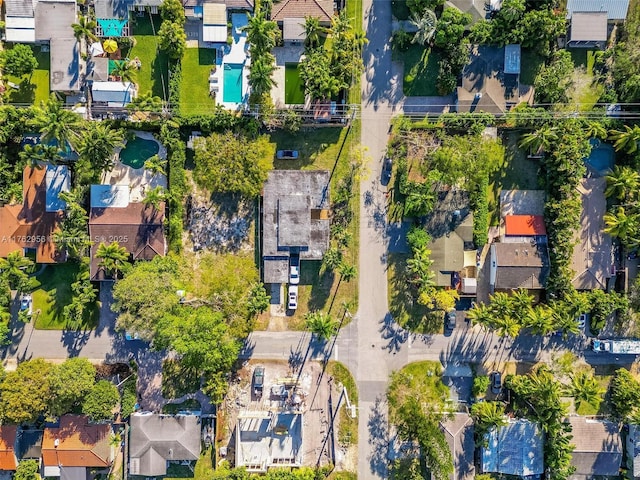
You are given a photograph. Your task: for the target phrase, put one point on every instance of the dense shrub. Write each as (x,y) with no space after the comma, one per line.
(480,205)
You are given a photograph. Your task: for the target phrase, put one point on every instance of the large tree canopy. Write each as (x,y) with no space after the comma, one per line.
(26,392)
(71,381)
(233,163)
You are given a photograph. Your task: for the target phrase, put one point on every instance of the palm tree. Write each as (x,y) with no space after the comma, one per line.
(481,314)
(347,271)
(36,155)
(521,300)
(261,75)
(154,197)
(313,31)
(502,304)
(540,140)
(622,182)
(97,145)
(426,25)
(595,129)
(487,415)
(540,319)
(125,70)
(331,259)
(155,165)
(321,324)
(146,103)
(626,140)
(13,268)
(262,34)
(619,224)
(55,123)
(507,327)
(83,30)
(585,388)
(113,258)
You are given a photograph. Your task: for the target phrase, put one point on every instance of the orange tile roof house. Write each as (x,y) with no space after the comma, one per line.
(524,225)
(73,446)
(8,459)
(30,225)
(320,9)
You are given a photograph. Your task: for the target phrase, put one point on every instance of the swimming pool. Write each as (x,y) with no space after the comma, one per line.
(601,159)
(232,83)
(138,151)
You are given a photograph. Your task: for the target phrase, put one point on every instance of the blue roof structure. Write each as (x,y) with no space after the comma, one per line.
(616,9)
(514,449)
(109,196)
(512,56)
(111,27)
(57,180)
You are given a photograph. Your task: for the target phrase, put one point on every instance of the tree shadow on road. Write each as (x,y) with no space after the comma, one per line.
(395,335)
(75,340)
(378,438)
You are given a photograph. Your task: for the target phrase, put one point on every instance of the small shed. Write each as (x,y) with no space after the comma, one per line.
(214,22)
(114,94)
(512,57)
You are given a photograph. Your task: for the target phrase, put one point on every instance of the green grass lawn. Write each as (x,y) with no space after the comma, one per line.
(421,380)
(531,63)
(153,74)
(35,88)
(194,87)
(293,86)
(348,426)
(53,293)
(516,172)
(420,71)
(586,90)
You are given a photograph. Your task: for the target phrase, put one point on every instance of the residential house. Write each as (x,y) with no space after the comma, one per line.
(478,9)
(20,22)
(73,446)
(598,448)
(295,219)
(593,257)
(8,458)
(453,253)
(194,9)
(135,226)
(514,449)
(291,14)
(214,22)
(29,443)
(491,81)
(29,226)
(112,94)
(53,20)
(633,450)
(592,21)
(518,265)
(157,440)
(111,9)
(458,431)
(266,439)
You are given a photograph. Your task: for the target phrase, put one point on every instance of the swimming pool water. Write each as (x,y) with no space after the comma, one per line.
(138,151)
(232,83)
(601,159)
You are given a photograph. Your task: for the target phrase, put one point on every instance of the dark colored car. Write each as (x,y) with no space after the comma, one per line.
(450,320)
(287,154)
(258,381)
(387,167)
(496,382)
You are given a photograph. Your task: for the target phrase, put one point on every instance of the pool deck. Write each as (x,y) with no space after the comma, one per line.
(139,180)
(237,53)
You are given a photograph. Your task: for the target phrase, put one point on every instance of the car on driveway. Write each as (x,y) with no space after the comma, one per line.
(293,297)
(258,381)
(26,304)
(287,154)
(496,382)
(450,320)
(294,270)
(387,167)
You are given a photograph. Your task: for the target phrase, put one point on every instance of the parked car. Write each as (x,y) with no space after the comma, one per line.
(496,382)
(26,304)
(582,321)
(287,154)
(387,167)
(293,297)
(294,270)
(258,381)
(450,320)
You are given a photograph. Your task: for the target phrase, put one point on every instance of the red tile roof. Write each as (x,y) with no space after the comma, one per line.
(8,460)
(525,225)
(79,443)
(28,224)
(320,9)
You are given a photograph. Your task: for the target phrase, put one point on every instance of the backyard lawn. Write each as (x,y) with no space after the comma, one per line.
(420,71)
(293,86)
(35,88)
(516,172)
(153,74)
(53,293)
(586,90)
(194,87)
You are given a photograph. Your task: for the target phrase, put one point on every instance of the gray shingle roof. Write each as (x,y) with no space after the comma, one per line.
(616,9)
(158,438)
(598,446)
